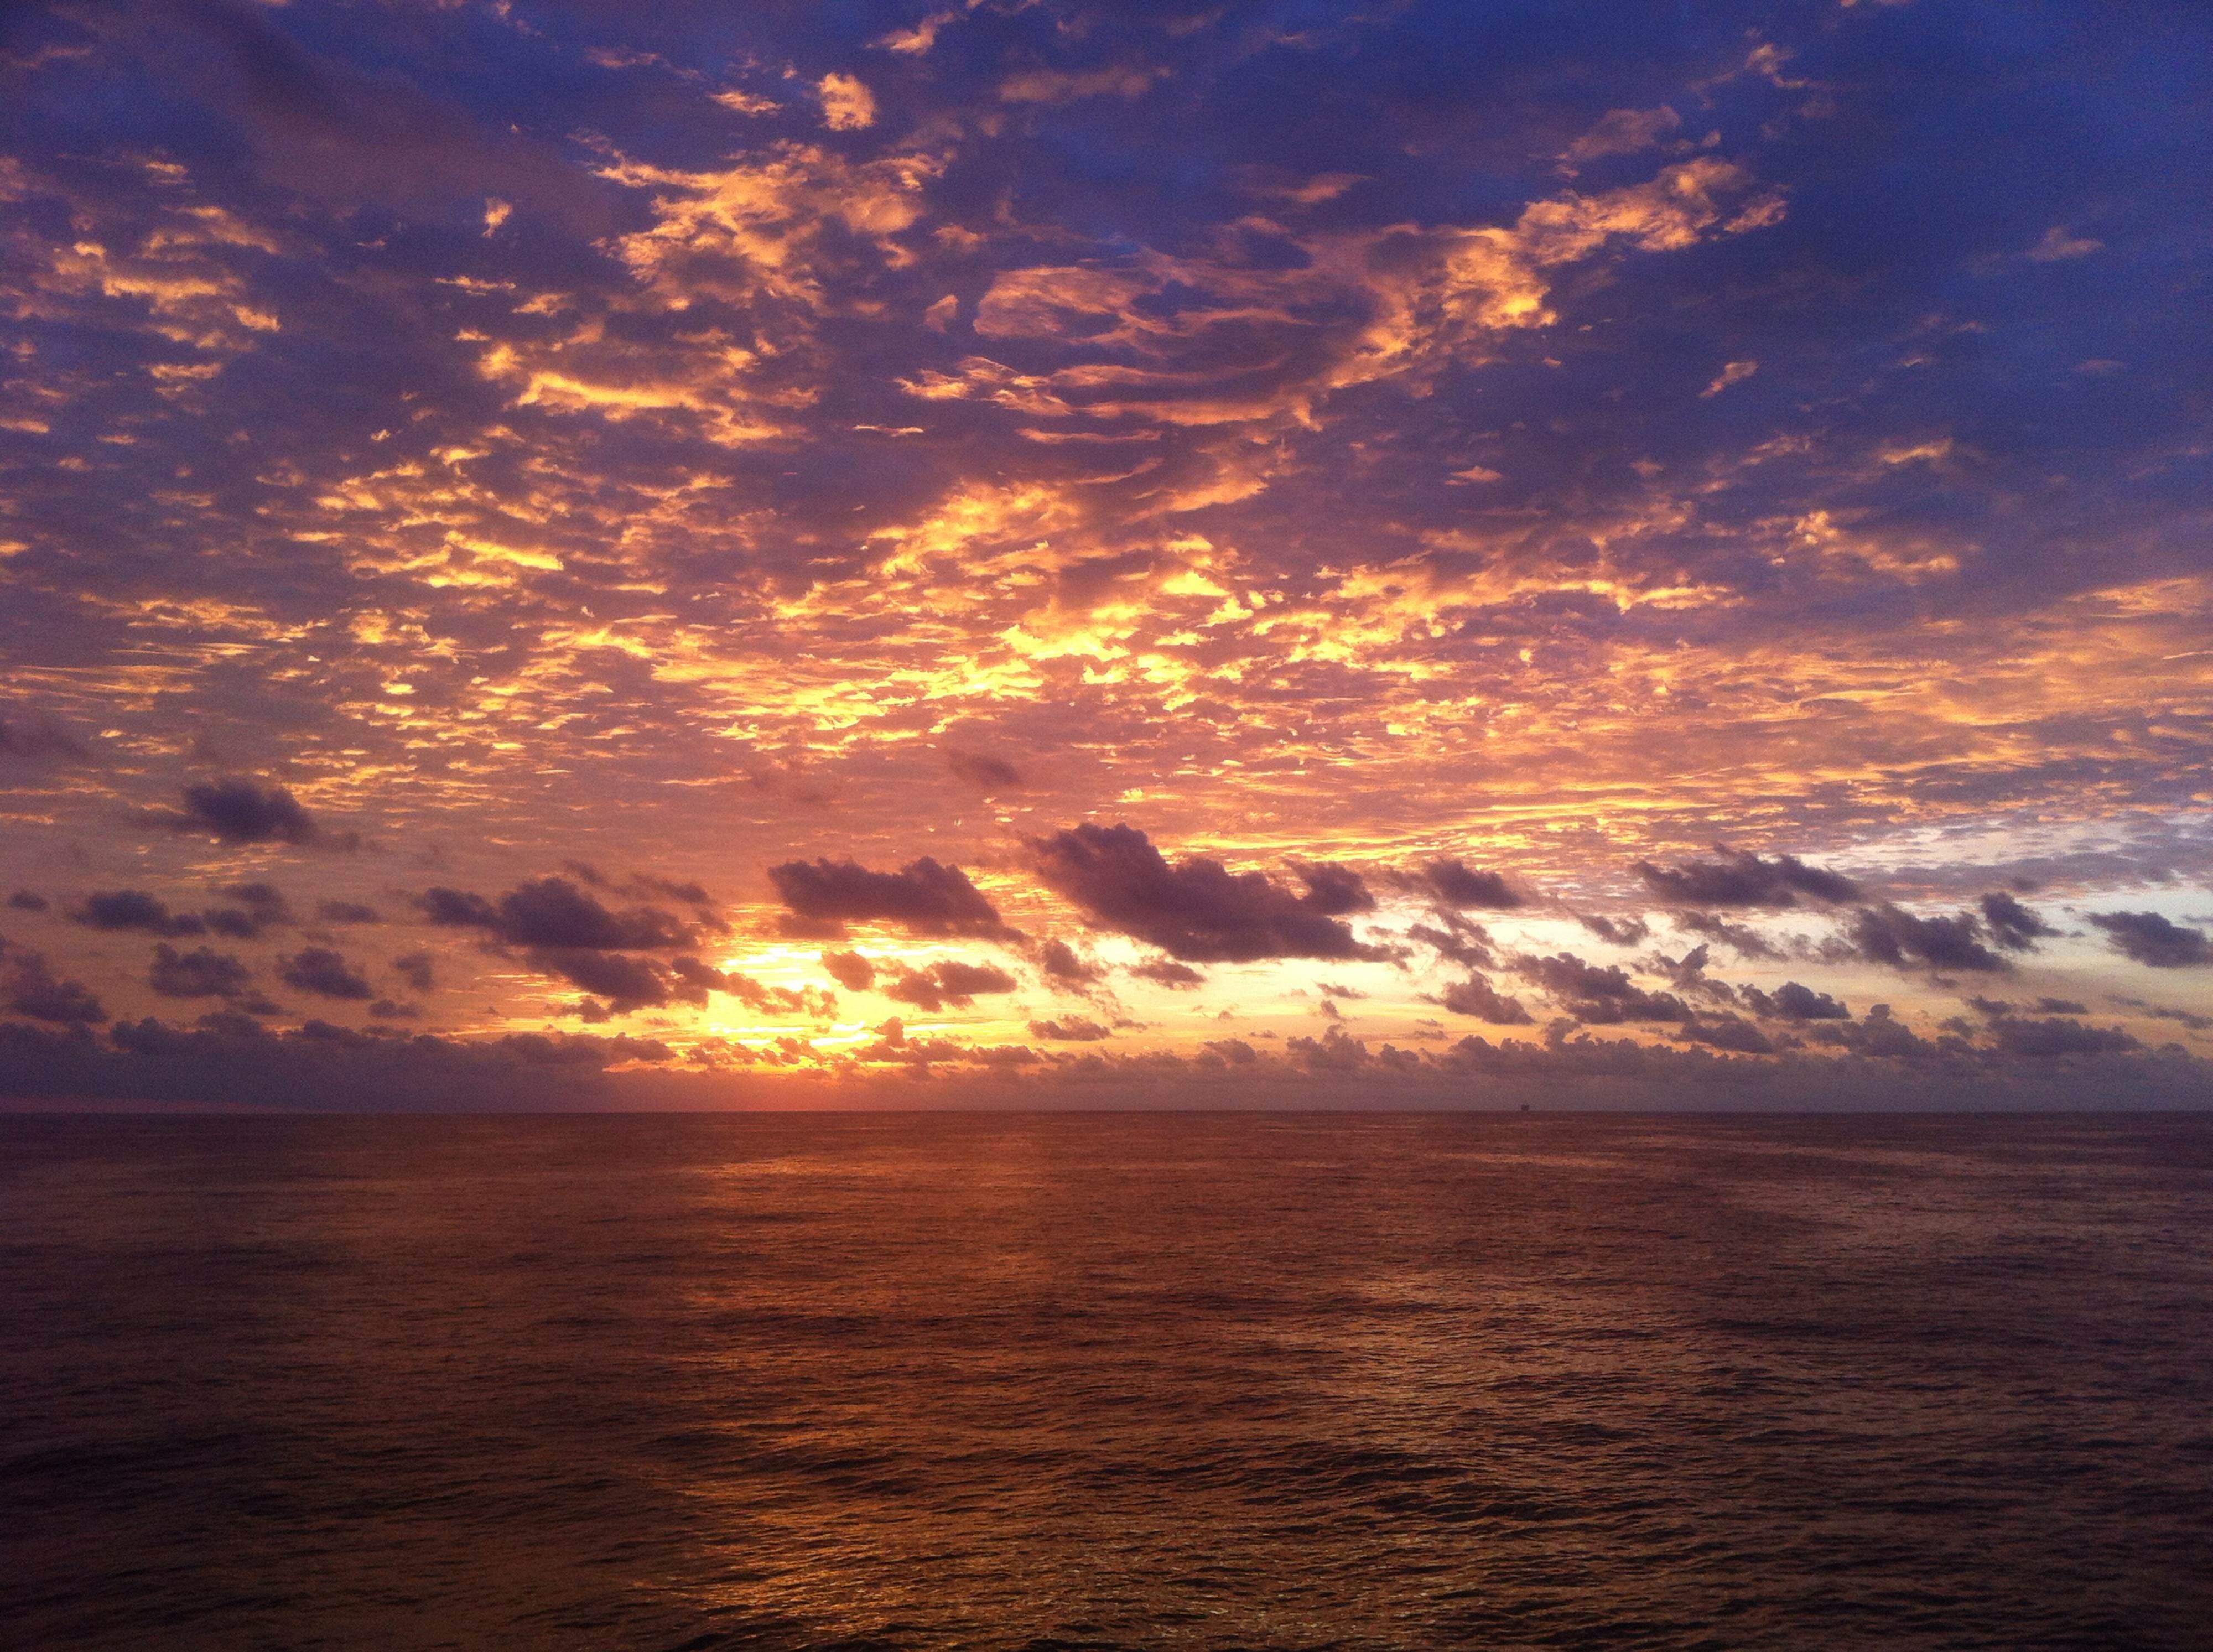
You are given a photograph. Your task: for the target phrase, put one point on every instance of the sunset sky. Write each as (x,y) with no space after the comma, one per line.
(1029,551)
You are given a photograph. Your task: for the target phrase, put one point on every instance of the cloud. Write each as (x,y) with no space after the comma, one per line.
(415,969)
(199,973)
(1727,1033)
(1621,931)
(1456,884)
(625,982)
(554,913)
(227,1059)
(918,39)
(260,907)
(1064,967)
(986,774)
(2189,1018)
(949,982)
(1128,82)
(1466,943)
(1792,1001)
(1197,911)
(848,105)
(922,896)
(1476,996)
(347,911)
(241,811)
(1623,132)
(1732,372)
(1162,972)
(849,970)
(28,987)
(24,900)
(1072,1029)
(1333,889)
(134,908)
(1741,938)
(1740,878)
(1889,934)
(2055,1036)
(1599,994)
(41,739)
(325,973)
(670,889)
(2154,941)
(2058,245)
(2013,926)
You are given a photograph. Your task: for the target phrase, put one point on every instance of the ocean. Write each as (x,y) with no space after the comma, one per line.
(1099,1382)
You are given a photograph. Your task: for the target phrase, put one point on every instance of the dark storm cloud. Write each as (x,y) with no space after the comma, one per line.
(1476,996)
(1792,1001)
(922,896)
(134,908)
(1739,878)
(984,772)
(1599,994)
(2153,940)
(554,913)
(241,811)
(1889,934)
(1198,910)
(2013,926)
(200,973)
(325,973)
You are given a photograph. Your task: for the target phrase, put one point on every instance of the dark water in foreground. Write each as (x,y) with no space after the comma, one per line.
(1106,1381)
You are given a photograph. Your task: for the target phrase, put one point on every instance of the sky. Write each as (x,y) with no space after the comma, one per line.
(1040,552)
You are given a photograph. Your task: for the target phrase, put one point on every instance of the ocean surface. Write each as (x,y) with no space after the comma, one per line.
(1106,1381)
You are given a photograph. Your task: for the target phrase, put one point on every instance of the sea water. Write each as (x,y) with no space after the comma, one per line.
(1106,1381)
